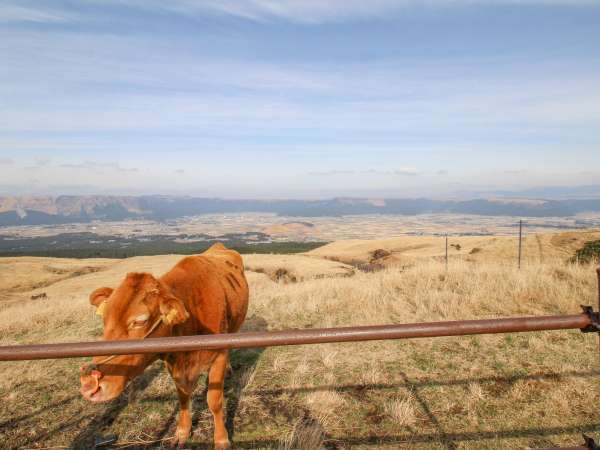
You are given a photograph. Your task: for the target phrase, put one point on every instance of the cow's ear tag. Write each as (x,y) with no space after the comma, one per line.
(170,317)
(101,309)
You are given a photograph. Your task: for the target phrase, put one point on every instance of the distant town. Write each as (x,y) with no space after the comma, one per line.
(256,232)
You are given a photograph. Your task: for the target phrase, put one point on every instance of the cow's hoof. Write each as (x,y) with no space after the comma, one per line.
(223,445)
(177,444)
(181,437)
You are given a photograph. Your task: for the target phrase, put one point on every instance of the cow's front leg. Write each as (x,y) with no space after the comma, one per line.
(185,383)
(184,423)
(216,378)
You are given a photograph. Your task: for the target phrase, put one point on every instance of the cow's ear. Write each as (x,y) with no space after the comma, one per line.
(172,310)
(100,295)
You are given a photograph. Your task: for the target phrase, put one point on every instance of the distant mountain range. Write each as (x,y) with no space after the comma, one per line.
(76,209)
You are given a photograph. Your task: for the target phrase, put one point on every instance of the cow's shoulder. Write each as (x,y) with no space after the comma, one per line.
(219,260)
(218,252)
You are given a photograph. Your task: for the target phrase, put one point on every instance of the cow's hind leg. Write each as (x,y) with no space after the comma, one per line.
(216,378)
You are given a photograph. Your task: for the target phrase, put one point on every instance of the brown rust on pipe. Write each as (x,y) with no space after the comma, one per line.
(293,337)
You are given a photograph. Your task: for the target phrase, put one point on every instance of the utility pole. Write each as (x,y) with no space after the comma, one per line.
(520,241)
(446,252)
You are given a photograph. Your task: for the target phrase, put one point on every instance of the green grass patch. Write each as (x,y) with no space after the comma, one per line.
(589,253)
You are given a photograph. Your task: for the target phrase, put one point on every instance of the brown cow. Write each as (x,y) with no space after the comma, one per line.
(202,294)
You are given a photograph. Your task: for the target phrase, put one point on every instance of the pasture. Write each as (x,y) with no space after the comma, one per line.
(504,391)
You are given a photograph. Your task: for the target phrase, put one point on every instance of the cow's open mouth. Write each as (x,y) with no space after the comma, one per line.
(92,393)
(95,391)
(97,395)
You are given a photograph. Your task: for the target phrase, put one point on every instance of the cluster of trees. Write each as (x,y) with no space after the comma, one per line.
(589,253)
(150,248)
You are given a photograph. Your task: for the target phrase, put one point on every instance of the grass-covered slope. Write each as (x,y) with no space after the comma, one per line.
(496,392)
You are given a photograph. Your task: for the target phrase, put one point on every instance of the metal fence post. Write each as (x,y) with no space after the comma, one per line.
(520,241)
(446,252)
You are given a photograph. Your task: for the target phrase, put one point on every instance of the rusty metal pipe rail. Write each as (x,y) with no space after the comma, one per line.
(294,337)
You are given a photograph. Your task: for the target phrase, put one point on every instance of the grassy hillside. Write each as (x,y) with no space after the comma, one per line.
(537,248)
(504,391)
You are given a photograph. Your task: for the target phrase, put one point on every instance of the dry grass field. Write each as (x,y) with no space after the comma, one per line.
(509,391)
(537,248)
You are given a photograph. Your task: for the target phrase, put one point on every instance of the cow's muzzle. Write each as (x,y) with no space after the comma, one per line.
(90,381)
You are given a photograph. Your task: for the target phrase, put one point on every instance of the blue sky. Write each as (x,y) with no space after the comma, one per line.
(298,99)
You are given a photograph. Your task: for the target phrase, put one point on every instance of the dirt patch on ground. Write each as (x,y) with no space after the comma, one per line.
(295,268)
(379,254)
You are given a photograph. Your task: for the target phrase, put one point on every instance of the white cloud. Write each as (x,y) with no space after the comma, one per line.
(398,172)
(322,11)
(98,167)
(406,172)
(40,162)
(40,13)
(54,82)
(308,12)
(329,173)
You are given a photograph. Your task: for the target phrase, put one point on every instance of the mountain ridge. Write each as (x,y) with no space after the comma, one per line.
(47,210)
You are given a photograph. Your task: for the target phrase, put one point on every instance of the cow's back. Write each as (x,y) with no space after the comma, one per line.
(214,289)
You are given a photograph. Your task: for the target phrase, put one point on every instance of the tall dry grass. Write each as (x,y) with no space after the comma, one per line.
(426,291)
(422,292)
(307,396)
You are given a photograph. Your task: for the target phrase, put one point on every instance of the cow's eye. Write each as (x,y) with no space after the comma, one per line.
(139,322)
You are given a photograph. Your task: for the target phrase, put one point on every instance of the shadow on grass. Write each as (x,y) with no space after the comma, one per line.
(447,439)
(246,360)
(14,422)
(410,439)
(85,438)
(243,363)
(555,376)
(443,436)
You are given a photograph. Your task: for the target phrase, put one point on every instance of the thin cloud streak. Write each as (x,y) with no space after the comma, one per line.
(317,12)
(34,13)
(410,172)
(98,167)
(379,95)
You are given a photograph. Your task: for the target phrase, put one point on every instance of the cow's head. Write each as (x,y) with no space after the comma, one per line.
(129,312)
